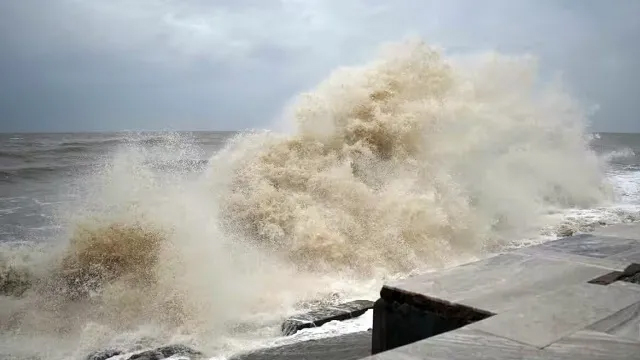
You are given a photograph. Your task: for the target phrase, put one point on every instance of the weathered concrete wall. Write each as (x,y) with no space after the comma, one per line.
(574,298)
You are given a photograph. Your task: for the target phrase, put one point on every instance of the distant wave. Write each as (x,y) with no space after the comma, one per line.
(14,154)
(32,153)
(94,142)
(621,154)
(15,174)
(31,173)
(136,139)
(31,150)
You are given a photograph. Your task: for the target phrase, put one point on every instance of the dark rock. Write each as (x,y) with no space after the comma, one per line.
(104,355)
(631,274)
(171,350)
(322,316)
(631,270)
(148,355)
(165,352)
(635,279)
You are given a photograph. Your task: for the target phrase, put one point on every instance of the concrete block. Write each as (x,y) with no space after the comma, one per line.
(398,322)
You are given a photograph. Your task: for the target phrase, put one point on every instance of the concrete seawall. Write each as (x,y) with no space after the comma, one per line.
(573,298)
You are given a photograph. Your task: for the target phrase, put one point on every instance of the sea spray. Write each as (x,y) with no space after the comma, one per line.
(410,161)
(413,161)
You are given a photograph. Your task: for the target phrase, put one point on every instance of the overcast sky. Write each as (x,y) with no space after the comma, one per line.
(99,65)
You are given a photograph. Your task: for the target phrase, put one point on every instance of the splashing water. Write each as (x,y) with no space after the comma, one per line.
(413,161)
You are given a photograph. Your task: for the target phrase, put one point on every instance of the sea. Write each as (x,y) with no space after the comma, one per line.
(411,163)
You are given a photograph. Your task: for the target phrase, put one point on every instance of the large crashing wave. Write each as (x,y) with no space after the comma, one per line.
(414,160)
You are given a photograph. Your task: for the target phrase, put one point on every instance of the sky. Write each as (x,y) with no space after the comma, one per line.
(103,65)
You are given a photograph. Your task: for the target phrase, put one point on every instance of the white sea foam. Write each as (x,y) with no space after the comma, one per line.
(627,186)
(10,210)
(620,154)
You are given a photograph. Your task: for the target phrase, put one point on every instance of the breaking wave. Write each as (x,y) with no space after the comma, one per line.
(411,161)
(621,154)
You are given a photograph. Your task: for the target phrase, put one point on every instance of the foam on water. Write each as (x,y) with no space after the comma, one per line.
(627,185)
(624,153)
(411,162)
(9,210)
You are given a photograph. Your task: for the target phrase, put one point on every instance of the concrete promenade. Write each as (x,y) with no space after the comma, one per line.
(565,299)
(573,298)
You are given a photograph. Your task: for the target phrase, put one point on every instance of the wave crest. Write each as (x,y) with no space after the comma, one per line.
(412,160)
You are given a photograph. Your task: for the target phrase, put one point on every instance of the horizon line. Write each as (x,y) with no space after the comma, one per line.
(201,131)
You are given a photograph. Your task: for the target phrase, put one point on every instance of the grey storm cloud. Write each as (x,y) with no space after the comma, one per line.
(83,65)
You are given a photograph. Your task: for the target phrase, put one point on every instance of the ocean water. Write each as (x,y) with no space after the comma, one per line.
(409,163)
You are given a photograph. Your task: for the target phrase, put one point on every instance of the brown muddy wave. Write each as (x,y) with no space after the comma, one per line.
(412,161)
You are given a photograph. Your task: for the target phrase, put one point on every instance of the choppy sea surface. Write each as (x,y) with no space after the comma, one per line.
(411,163)
(38,171)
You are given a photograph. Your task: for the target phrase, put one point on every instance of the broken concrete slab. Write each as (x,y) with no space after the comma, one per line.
(315,318)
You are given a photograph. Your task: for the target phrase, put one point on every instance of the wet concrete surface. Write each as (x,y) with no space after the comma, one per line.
(345,347)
